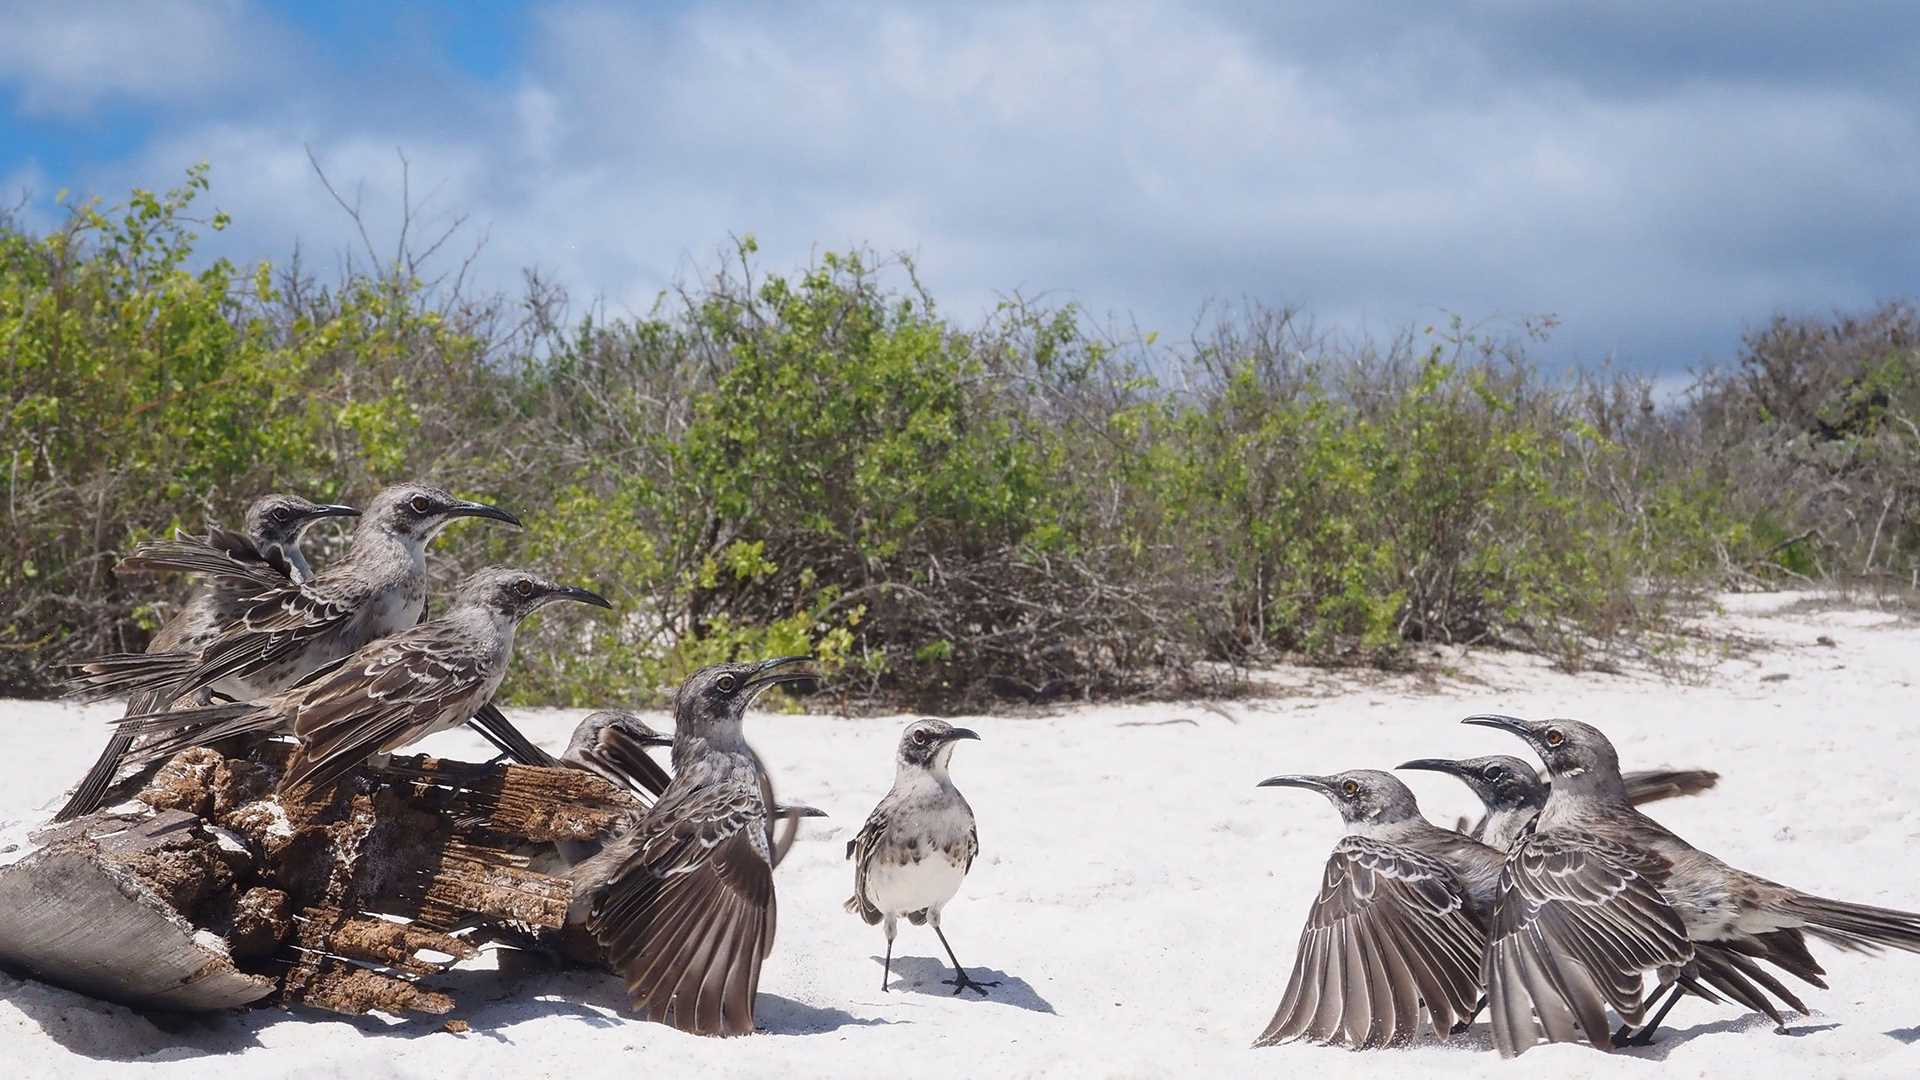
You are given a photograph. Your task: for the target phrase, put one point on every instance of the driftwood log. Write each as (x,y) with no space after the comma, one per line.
(210,892)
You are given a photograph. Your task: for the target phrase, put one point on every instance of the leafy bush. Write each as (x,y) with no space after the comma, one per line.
(822,463)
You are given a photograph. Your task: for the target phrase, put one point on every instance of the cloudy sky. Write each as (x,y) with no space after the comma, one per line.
(1659,176)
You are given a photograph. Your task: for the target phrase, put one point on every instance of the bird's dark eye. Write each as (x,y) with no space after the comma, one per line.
(524,587)
(1350,788)
(725,684)
(1554,737)
(421,504)
(1496,773)
(920,736)
(279,513)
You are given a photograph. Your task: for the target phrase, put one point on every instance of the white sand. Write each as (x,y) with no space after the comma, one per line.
(1137,897)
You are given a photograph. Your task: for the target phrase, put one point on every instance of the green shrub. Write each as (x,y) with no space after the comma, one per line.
(820,462)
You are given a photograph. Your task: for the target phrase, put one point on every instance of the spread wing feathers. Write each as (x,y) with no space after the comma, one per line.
(689,915)
(1388,938)
(161,674)
(229,560)
(1652,785)
(1729,968)
(277,625)
(861,850)
(621,759)
(1578,920)
(389,694)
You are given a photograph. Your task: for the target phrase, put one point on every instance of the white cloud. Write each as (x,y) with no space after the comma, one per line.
(68,57)
(1138,159)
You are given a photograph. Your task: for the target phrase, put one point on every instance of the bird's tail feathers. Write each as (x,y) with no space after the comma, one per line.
(1653,785)
(1855,927)
(162,674)
(182,729)
(870,914)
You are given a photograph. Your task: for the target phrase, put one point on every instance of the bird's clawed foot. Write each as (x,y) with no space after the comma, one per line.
(960,982)
(1625,1037)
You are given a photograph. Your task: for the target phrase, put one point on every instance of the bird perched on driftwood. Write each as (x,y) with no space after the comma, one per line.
(683,901)
(265,554)
(377,588)
(1513,792)
(918,844)
(1597,893)
(395,691)
(612,744)
(284,631)
(1398,928)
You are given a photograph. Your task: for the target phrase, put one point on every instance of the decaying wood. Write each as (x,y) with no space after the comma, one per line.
(218,894)
(79,912)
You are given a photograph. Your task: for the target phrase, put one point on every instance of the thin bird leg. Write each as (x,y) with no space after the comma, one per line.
(886,972)
(960,981)
(1467,1022)
(1645,1036)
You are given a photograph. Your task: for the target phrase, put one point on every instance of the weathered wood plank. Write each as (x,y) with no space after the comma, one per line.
(74,917)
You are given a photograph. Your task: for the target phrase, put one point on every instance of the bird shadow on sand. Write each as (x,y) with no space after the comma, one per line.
(923,975)
(1751,1027)
(1907,1035)
(599,994)
(776,1015)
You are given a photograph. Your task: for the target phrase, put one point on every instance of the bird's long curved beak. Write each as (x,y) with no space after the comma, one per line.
(583,596)
(655,739)
(482,510)
(1430,764)
(1310,783)
(1511,724)
(798,810)
(768,673)
(961,733)
(330,510)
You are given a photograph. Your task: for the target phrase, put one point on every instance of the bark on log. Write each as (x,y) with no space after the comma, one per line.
(222,895)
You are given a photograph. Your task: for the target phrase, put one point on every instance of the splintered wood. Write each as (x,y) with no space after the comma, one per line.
(211,892)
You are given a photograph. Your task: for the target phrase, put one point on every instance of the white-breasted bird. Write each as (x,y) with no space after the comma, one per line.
(917,845)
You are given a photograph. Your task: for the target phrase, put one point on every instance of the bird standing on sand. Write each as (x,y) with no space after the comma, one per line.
(1595,893)
(264,555)
(1513,792)
(917,845)
(395,691)
(683,901)
(1399,926)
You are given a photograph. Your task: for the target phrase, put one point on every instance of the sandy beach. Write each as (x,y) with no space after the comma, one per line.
(1136,896)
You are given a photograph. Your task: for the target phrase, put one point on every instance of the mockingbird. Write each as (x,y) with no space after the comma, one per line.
(1595,893)
(1513,791)
(1399,925)
(394,691)
(376,589)
(917,845)
(612,744)
(283,632)
(683,901)
(265,555)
